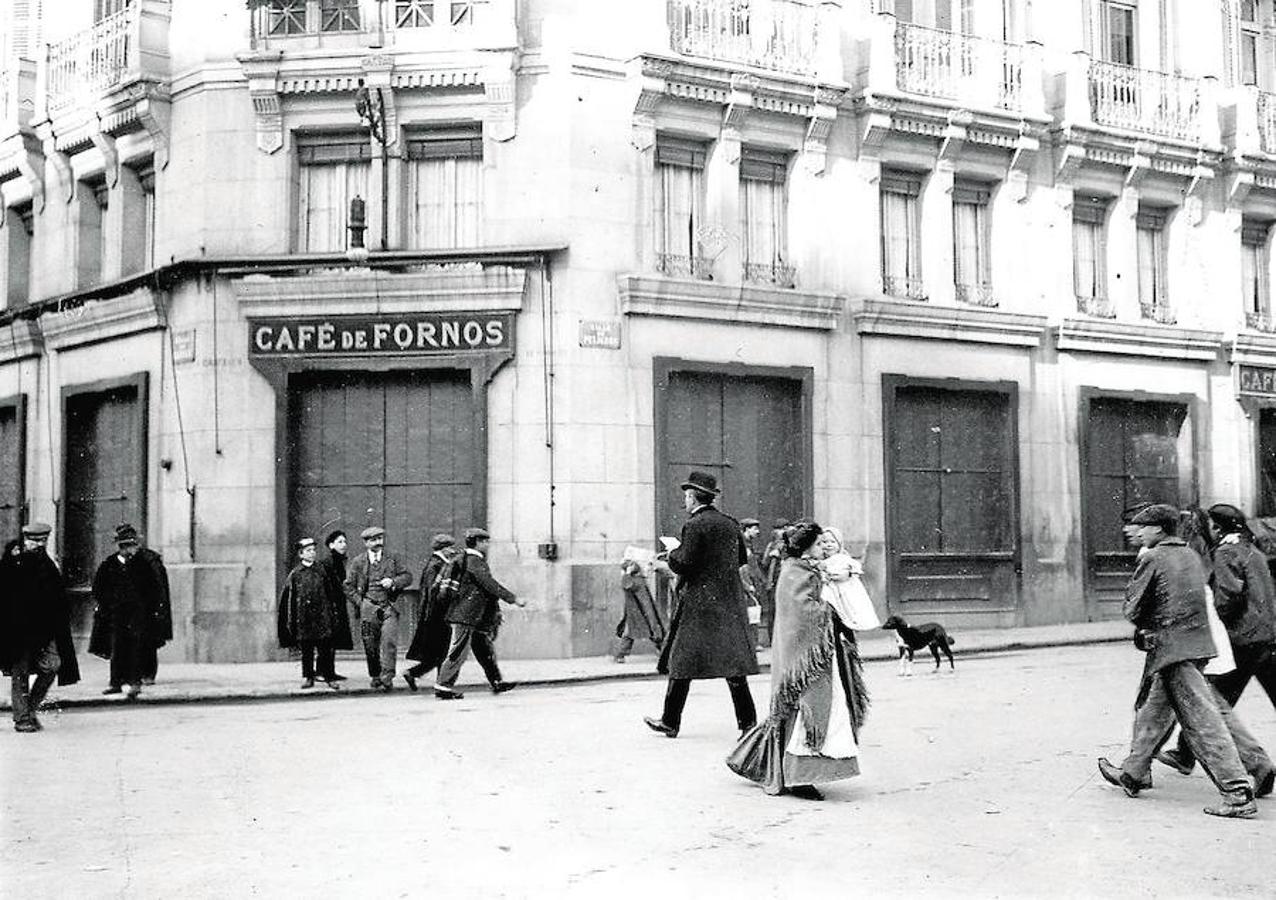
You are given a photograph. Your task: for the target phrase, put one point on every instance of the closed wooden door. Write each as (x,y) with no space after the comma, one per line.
(12,468)
(747,432)
(1133,455)
(1266,463)
(395,449)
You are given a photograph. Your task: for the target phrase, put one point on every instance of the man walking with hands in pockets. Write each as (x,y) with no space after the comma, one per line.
(374,582)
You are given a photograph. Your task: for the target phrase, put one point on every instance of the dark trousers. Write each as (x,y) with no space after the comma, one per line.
(1253,661)
(27,697)
(128,652)
(465,638)
(149,661)
(326,656)
(380,631)
(746,715)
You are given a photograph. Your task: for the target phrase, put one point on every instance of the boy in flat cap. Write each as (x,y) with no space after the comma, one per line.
(35,625)
(432,637)
(374,581)
(128,595)
(475,616)
(1165,600)
(306,615)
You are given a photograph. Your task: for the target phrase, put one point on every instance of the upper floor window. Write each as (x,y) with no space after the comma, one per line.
(1117,31)
(902,235)
(1089,254)
(333,170)
(103,9)
(1255,277)
(946,15)
(445,187)
(679,212)
(18,234)
(338,15)
(1154,302)
(763,217)
(972,242)
(286,17)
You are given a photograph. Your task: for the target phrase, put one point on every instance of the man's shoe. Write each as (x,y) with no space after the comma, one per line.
(1172,759)
(501,687)
(333,676)
(307,684)
(132,692)
(1246,809)
(1263,786)
(443,693)
(25,727)
(375,684)
(659,726)
(1114,775)
(411,681)
(148,681)
(114,689)
(387,685)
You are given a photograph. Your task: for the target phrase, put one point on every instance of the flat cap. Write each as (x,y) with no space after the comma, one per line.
(1128,514)
(473,534)
(305,542)
(1157,514)
(441,540)
(125,534)
(36,529)
(749,523)
(781,523)
(371,532)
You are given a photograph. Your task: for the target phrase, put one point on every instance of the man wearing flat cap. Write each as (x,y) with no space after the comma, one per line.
(433,635)
(752,577)
(128,596)
(1165,600)
(475,617)
(305,616)
(35,625)
(709,631)
(373,582)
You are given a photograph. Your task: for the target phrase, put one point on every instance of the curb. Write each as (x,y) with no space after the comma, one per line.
(277,696)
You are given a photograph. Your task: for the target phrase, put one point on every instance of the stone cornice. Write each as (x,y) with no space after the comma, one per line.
(347,291)
(1127,339)
(894,318)
(20,339)
(774,92)
(1254,349)
(92,322)
(678,298)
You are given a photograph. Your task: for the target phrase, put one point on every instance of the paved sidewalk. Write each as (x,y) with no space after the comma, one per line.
(228,682)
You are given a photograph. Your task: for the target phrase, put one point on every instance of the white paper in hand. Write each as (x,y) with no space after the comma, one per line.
(669,543)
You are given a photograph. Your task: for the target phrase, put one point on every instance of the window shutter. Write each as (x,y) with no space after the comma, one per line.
(897,182)
(763,165)
(460,142)
(321,149)
(679,152)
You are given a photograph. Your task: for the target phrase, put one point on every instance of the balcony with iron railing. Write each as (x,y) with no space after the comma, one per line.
(1147,101)
(780,35)
(404,24)
(1160,313)
(947,65)
(775,274)
(128,46)
(679,266)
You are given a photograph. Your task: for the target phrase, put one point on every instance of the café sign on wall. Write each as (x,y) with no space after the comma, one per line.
(375,335)
(1256,381)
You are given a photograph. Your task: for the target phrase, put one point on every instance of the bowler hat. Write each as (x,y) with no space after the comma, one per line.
(441,540)
(125,534)
(477,534)
(749,523)
(1228,518)
(1161,514)
(701,481)
(372,531)
(36,529)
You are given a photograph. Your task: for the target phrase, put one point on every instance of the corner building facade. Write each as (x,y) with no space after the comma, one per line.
(964,279)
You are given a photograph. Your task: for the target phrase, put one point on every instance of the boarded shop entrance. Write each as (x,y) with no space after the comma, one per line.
(13,420)
(104,480)
(1133,451)
(1266,505)
(749,427)
(952,498)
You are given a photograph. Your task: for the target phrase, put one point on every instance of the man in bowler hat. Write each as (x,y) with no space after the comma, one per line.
(374,581)
(709,633)
(129,596)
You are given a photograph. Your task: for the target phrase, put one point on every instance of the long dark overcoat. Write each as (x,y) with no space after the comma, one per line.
(305,607)
(432,636)
(1166,600)
(478,602)
(128,597)
(1244,594)
(709,632)
(34,612)
(334,570)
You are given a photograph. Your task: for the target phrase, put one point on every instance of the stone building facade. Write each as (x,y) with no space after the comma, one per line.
(963,277)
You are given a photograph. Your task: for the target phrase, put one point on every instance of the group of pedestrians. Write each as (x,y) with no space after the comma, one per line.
(458,613)
(1193,569)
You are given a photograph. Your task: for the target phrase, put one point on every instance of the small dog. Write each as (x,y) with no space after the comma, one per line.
(910,640)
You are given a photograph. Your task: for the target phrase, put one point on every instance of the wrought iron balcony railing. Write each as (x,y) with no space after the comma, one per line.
(1267,121)
(1099,307)
(778,274)
(976,294)
(900,286)
(769,34)
(1161,313)
(95,60)
(1147,101)
(676,266)
(953,66)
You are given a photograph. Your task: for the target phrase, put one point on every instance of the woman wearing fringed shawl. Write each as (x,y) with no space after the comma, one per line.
(818,698)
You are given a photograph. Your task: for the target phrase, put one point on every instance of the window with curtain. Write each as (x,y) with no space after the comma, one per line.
(762,216)
(1255,278)
(972,242)
(1153,297)
(679,209)
(1117,21)
(445,187)
(1089,252)
(901,235)
(333,170)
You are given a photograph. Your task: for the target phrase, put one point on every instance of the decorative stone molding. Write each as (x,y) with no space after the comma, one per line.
(378,74)
(262,69)
(1254,349)
(88,323)
(20,339)
(676,298)
(111,157)
(23,155)
(1127,339)
(500,121)
(355,291)
(892,318)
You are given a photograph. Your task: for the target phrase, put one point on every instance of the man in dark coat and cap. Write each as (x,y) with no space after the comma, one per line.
(162,615)
(709,632)
(127,594)
(1165,600)
(433,635)
(35,625)
(306,614)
